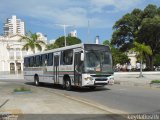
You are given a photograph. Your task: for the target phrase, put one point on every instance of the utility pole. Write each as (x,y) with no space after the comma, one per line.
(88,33)
(64,28)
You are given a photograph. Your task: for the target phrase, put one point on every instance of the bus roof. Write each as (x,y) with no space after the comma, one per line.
(81,45)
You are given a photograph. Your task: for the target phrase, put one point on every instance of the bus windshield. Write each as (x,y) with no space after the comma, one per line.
(98,61)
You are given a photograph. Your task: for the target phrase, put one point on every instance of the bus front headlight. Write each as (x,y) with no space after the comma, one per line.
(88,78)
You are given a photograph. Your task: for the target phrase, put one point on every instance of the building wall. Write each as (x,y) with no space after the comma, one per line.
(73,33)
(133,59)
(11,54)
(14,26)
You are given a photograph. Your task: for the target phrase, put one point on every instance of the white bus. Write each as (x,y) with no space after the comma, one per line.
(81,65)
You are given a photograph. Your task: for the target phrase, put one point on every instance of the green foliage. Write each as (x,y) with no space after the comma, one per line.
(149,33)
(157,60)
(117,55)
(32,42)
(142,26)
(21,89)
(60,42)
(141,48)
(155,81)
(125,29)
(107,42)
(51,46)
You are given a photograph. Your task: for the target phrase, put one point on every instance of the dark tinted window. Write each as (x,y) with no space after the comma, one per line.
(31,62)
(26,62)
(37,60)
(97,47)
(44,59)
(50,59)
(67,57)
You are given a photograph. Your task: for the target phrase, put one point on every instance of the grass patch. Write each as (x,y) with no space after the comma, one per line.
(155,81)
(22,89)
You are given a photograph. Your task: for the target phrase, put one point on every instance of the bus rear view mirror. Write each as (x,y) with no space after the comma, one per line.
(82,56)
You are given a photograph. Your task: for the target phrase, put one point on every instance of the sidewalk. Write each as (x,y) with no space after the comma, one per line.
(11,76)
(41,101)
(132,78)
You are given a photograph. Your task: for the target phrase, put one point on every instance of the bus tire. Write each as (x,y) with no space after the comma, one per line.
(68,84)
(36,80)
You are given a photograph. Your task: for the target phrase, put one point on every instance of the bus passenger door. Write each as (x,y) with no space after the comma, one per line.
(56,68)
(77,68)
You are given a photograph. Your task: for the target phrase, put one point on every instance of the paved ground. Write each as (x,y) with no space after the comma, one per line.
(132,78)
(133,95)
(46,101)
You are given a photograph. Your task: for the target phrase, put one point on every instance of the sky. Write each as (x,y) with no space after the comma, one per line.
(45,16)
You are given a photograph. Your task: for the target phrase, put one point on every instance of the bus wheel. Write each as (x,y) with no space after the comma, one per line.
(36,80)
(92,87)
(68,84)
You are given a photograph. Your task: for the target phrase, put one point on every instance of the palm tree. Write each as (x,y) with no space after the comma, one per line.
(32,42)
(140,49)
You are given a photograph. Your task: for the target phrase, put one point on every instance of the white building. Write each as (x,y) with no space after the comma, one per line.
(73,33)
(133,59)
(14,26)
(11,54)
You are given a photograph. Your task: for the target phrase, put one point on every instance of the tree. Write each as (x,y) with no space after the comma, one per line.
(140,49)
(125,30)
(51,46)
(157,60)
(118,56)
(32,42)
(149,33)
(142,26)
(60,42)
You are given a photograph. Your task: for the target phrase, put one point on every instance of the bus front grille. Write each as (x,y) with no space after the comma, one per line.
(100,79)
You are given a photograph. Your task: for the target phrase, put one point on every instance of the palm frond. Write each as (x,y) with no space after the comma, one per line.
(38,46)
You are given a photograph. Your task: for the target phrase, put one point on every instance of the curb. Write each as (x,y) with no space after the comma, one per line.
(137,73)
(127,83)
(93,104)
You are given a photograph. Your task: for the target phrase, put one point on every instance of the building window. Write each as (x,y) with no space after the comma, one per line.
(18,53)
(11,53)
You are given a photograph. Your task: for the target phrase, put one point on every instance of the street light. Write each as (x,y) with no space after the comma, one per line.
(64,28)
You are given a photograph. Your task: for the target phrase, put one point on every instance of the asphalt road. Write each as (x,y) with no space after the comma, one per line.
(129,99)
(121,98)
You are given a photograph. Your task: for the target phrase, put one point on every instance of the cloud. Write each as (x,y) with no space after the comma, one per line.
(115,5)
(74,12)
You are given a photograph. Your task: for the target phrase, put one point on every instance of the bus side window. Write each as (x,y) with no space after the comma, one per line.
(67,57)
(50,59)
(62,60)
(37,61)
(26,62)
(44,59)
(31,62)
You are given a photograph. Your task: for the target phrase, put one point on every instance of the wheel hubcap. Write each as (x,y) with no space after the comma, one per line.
(67,84)
(36,82)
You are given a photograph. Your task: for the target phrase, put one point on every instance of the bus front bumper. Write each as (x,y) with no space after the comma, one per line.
(88,80)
